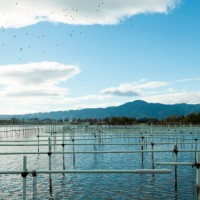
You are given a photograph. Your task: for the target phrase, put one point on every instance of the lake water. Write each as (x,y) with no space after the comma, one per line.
(102,186)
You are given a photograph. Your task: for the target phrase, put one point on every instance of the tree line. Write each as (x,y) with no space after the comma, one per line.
(193,118)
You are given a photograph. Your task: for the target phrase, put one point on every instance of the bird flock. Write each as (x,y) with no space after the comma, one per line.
(32,38)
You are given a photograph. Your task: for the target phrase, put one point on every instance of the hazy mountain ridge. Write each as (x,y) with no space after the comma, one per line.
(137,109)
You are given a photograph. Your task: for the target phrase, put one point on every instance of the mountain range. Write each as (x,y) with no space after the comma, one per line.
(138,109)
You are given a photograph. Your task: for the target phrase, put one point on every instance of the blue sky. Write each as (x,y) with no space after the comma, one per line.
(70,54)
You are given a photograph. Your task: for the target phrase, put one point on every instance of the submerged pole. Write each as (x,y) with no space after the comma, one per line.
(142,148)
(198,176)
(24,174)
(196,149)
(38,140)
(34,175)
(49,154)
(63,148)
(176,160)
(152,146)
(73,152)
(94,171)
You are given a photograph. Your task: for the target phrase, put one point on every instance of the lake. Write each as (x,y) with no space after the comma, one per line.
(181,185)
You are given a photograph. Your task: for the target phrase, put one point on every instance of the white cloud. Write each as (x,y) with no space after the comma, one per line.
(171,90)
(99,105)
(35,80)
(40,73)
(133,89)
(174,98)
(21,94)
(80,100)
(21,13)
(35,87)
(50,103)
(188,79)
(156,92)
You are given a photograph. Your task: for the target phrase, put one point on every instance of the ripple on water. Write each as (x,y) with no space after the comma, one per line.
(100,186)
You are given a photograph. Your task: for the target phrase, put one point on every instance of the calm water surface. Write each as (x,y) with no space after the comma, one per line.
(100,186)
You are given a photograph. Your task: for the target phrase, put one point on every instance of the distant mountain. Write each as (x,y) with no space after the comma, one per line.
(138,109)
